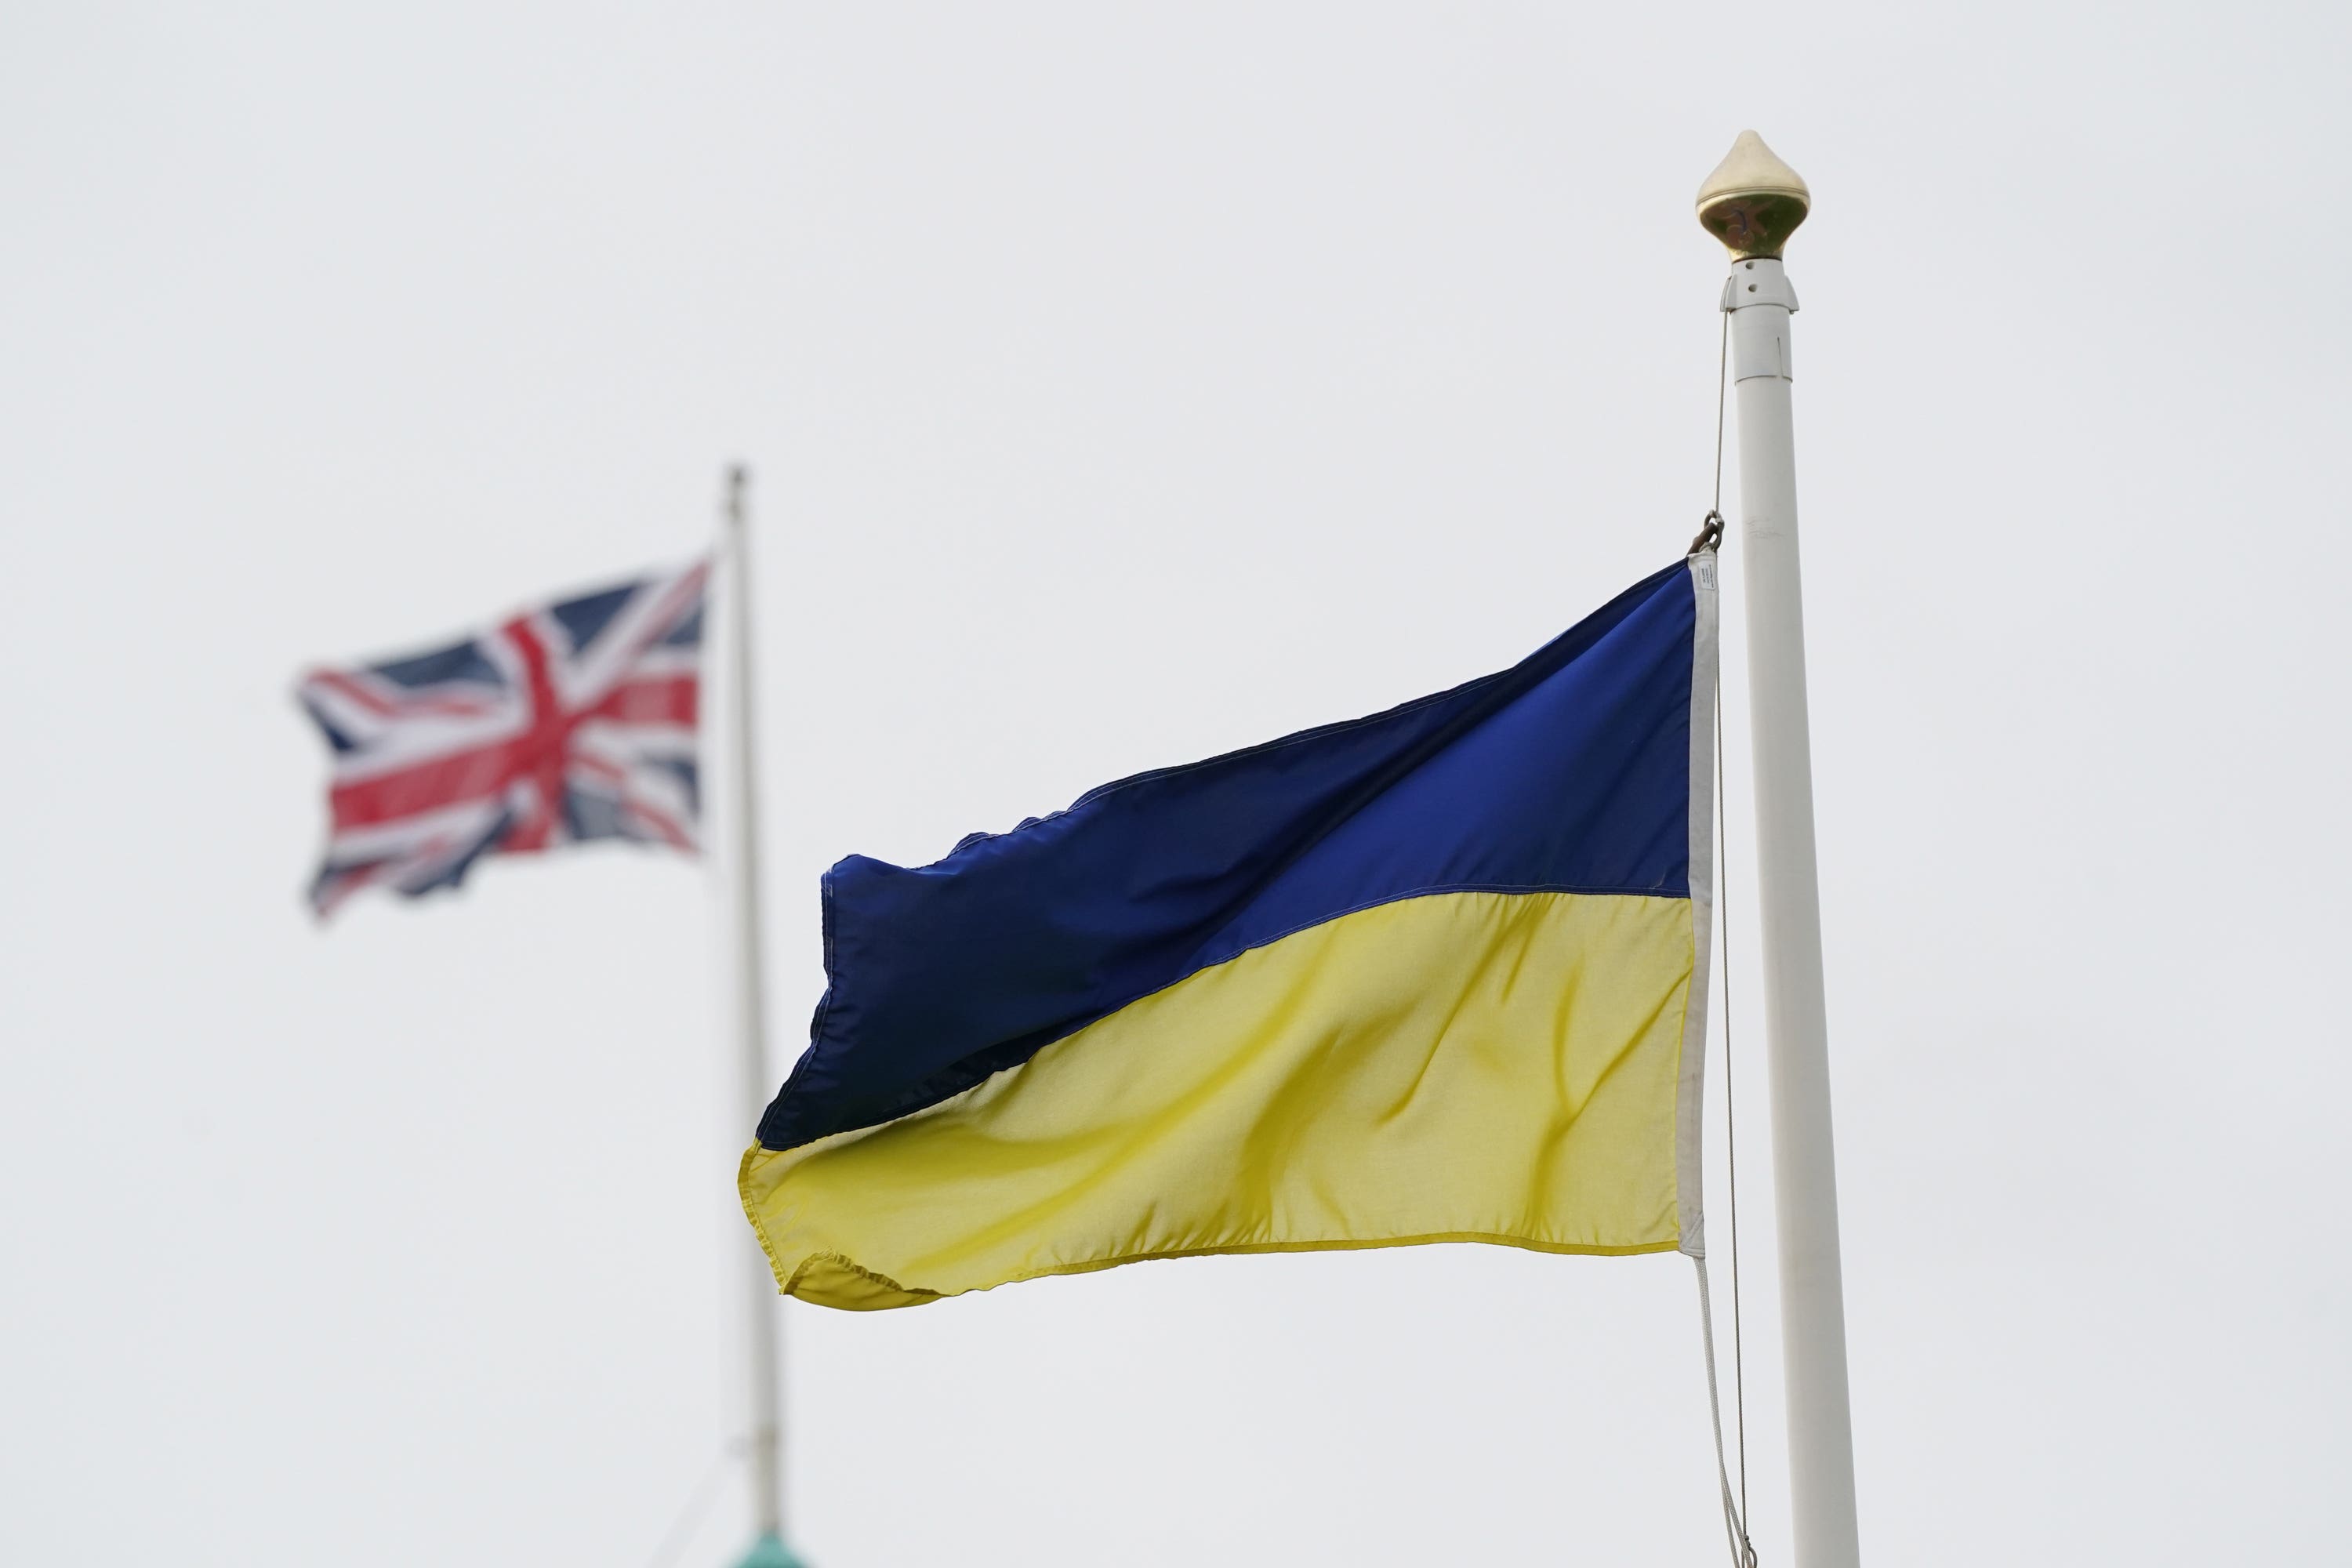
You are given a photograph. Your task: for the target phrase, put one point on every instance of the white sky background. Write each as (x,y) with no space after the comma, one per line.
(1124,384)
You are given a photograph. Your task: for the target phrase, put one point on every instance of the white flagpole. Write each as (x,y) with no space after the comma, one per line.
(763,1370)
(1752,202)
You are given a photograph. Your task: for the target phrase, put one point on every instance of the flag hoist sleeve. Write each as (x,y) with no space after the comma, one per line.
(1438,975)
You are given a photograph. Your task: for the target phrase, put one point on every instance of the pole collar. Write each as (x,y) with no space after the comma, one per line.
(1762,281)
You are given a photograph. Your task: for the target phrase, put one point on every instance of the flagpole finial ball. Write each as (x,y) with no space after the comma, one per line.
(1753,202)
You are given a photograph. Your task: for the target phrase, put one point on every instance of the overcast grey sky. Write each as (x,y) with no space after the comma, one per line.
(1126,383)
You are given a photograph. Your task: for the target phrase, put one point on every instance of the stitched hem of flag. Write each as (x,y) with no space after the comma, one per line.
(1690,1100)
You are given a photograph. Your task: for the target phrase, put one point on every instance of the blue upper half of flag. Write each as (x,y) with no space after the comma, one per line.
(1567,773)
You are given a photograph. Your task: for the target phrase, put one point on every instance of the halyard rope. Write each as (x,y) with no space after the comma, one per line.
(1710,531)
(1732,1153)
(1734,1512)
(1735,1526)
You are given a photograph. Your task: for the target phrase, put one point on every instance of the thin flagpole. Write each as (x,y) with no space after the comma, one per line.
(762,1368)
(1752,203)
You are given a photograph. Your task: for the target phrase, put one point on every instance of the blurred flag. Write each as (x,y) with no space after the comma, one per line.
(573,722)
(1434,976)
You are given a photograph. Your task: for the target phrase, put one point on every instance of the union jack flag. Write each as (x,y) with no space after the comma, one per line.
(569,722)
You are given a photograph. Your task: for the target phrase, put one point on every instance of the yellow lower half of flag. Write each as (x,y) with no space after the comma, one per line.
(1458,1066)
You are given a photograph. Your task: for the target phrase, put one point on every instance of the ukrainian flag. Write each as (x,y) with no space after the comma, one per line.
(1438,975)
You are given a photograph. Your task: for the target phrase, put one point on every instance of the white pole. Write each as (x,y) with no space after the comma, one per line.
(1752,202)
(762,1370)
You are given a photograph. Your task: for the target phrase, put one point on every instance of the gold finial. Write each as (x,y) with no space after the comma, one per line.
(1753,202)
